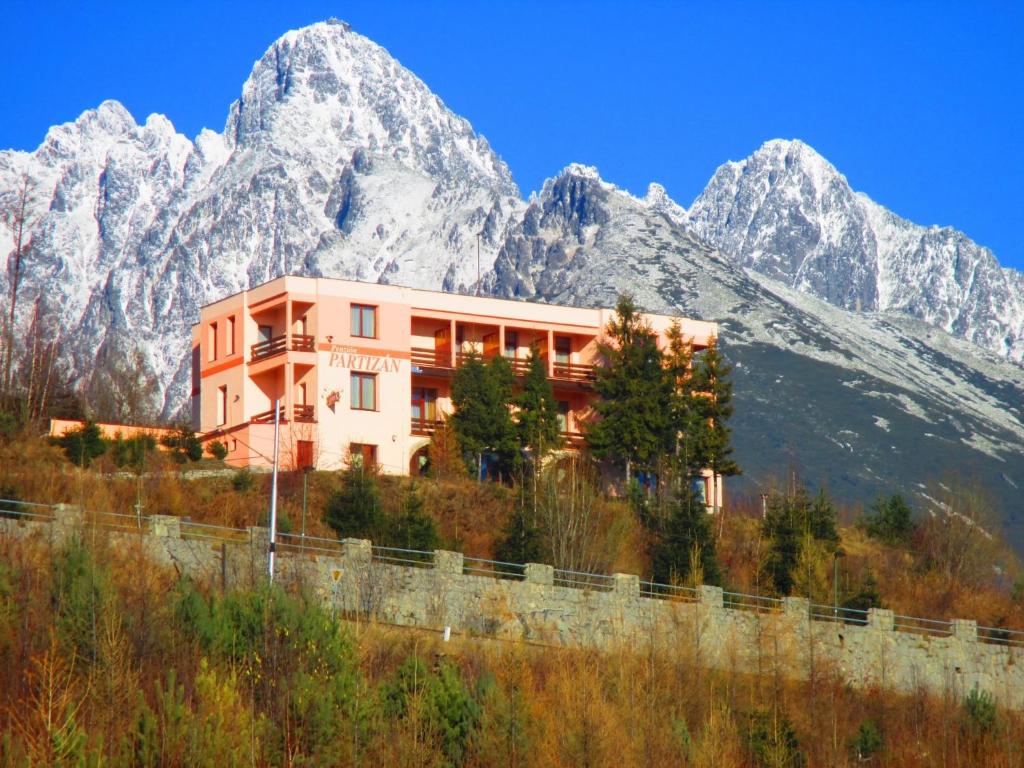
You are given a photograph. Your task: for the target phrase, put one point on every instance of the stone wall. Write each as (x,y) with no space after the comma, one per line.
(616,616)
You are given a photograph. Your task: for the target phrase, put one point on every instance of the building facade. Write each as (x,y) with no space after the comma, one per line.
(364,370)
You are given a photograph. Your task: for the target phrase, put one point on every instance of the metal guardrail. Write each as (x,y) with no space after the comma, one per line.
(294,543)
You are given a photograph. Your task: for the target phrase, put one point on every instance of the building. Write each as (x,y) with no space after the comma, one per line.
(364,369)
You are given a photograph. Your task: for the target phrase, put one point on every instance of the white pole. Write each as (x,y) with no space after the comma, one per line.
(273,488)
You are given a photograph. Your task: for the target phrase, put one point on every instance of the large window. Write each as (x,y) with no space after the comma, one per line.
(364,321)
(364,391)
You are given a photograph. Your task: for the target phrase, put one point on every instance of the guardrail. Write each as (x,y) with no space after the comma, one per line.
(298,544)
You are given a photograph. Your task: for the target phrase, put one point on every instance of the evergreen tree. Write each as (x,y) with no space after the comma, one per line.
(685,412)
(687,533)
(890,520)
(792,521)
(782,529)
(521,540)
(481,418)
(353,510)
(634,393)
(414,528)
(537,416)
(84,444)
(711,382)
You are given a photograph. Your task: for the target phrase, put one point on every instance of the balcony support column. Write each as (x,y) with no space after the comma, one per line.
(501,340)
(551,354)
(452,357)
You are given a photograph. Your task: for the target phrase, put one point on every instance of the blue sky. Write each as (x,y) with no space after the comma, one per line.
(919,104)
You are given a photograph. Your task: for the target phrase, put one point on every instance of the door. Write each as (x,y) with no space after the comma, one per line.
(304,454)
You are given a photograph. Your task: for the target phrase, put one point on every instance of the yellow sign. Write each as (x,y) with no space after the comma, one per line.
(336,574)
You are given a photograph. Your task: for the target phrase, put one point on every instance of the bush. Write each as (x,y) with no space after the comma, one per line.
(866,742)
(771,741)
(133,452)
(243,480)
(84,444)
(979,712)
(184,443)
(217,450)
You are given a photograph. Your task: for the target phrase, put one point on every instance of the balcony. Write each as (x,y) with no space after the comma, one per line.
(430,358)
(300,413)
(277,345)
(574,372)
(425,426)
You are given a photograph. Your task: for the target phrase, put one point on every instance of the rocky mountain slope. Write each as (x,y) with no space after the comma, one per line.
(788,214)
(337,161)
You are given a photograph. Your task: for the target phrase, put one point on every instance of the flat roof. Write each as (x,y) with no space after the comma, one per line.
(536,302)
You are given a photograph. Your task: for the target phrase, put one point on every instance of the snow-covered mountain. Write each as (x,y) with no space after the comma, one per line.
(790,215)
(337,161)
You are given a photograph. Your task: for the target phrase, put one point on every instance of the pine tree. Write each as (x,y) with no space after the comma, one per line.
(481,418)
(353,510)
(712,383)
(686,426)
(537,416)
(687,532)
(634,393)
(890,520)
(782,529)
(414,528)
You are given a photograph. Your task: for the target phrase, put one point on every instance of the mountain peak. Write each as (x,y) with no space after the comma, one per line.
(327,91)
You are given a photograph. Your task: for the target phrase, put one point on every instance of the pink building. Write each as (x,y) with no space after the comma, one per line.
(365,369)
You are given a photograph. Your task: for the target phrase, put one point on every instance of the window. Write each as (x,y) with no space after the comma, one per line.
(211,341)
(229,337)
(364,391)
(511,344)
(364,321)
(362,455)
(563,347)
(424,404)
(265,332)
(563,415)
(222,406)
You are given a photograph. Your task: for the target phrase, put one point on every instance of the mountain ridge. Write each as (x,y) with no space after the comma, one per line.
(337,161)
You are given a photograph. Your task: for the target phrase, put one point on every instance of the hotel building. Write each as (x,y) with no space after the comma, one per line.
(364,369)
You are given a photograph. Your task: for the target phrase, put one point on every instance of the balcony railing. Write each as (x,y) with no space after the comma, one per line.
(574,371)
(425,426)
(295,342)
(300,413)
(430,358)
(573,439)
(440,359)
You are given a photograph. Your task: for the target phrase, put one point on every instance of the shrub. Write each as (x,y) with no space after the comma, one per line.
(185,444)
(243,480)
(84,444)
(133,452)
(217,450)
(979,712)
(771,741)
(866,742)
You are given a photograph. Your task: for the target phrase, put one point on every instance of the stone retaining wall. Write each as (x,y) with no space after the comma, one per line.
(535,609)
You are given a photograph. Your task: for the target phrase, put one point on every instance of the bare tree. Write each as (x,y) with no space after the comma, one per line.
(123,387)
(573,514)
(15,213)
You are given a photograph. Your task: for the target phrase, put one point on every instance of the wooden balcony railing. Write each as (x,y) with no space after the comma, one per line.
(425,426)
(295,342)
(574,371)
(430,358)
(573,439)
(300,413)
